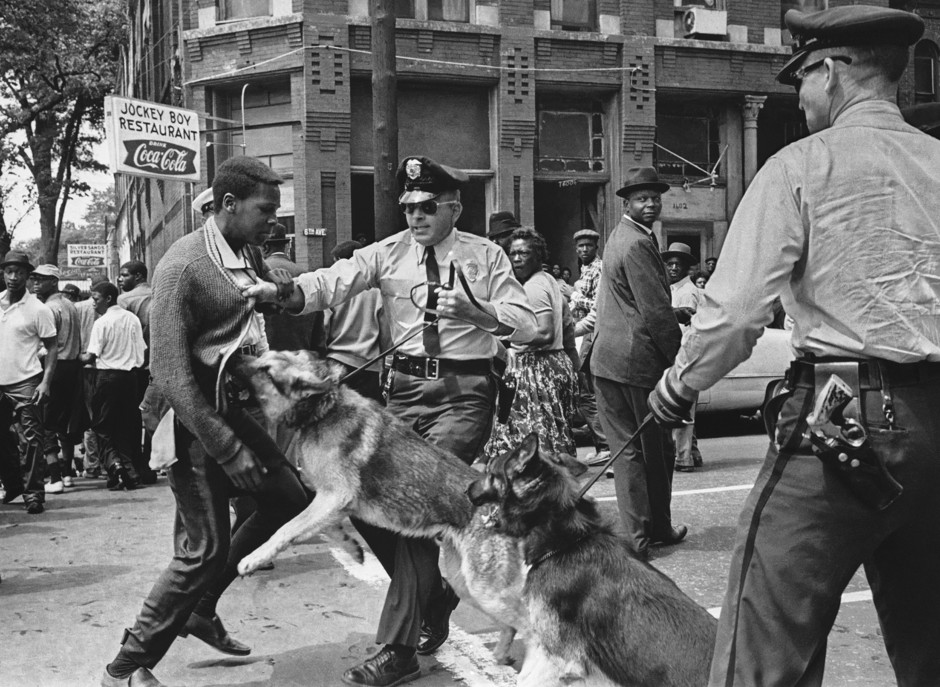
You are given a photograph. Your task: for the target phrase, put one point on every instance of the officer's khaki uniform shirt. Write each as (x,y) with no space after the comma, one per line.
(845,226)
(396,264)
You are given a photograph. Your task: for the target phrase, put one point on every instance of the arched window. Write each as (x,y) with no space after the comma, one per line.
(925,72)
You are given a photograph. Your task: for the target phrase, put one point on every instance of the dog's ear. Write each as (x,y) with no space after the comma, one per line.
(523,455)
(311,376)
(568,462)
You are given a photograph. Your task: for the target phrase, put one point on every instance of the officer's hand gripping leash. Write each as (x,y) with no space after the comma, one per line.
(455,272)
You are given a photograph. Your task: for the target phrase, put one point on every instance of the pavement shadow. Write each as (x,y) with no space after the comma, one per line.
(315,664)
(53,578)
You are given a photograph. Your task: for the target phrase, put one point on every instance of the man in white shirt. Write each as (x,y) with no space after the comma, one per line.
(116,347)
(26,326)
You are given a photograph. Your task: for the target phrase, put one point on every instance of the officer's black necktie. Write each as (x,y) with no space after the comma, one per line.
(431,337)
(654,240)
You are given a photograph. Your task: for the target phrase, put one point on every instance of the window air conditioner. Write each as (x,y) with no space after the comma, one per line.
(699,21)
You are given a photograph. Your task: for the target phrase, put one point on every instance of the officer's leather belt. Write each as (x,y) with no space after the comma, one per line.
(872,374)
(434,368)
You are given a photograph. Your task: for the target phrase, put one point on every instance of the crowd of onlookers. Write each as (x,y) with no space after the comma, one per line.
(91,389)
(74,374)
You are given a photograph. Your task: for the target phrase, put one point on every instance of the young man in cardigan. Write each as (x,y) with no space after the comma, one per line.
(198,320)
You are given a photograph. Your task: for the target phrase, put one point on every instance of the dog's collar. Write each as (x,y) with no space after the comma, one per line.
(553,552)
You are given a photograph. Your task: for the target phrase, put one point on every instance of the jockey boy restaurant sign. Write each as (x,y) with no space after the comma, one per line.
(152,140)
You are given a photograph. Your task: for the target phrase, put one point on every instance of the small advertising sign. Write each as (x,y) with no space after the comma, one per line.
(87,255)
(152,140)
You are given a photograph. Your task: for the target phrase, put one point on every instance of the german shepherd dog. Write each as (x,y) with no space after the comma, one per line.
(595,612)
(360,461)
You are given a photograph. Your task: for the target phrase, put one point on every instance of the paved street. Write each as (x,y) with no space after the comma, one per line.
(74,577)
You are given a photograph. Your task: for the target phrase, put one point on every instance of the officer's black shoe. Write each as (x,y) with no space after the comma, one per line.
(436,625)
(386,669)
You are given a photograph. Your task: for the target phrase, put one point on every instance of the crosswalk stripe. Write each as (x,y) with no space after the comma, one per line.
(691,492)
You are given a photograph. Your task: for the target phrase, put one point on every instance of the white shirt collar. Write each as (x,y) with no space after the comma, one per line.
(441,249)
(645,229)
(230,259)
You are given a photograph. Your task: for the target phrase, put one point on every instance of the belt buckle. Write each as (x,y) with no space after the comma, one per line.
(431,368)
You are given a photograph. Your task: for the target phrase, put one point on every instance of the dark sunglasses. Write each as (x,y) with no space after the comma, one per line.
(801,73)
(427,207)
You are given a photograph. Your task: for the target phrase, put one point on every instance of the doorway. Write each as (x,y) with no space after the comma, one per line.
(563,208)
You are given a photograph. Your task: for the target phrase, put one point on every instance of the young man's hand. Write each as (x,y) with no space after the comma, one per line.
(245,470)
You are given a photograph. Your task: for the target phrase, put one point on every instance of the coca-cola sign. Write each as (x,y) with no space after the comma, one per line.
(152,140)
(160,157)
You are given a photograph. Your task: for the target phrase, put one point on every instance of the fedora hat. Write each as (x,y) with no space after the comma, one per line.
(15,257)
(502,222)
(679,250)
(278,235)
(638,178)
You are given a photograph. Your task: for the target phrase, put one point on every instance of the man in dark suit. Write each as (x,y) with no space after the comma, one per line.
(636,339)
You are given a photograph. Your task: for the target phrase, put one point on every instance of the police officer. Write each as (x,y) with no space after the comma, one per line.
(843,225)
(441,382)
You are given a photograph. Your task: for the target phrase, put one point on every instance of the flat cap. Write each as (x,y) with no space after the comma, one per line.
(421,178)
(850,25)
(204,202)
(502,222)
(587,234)
(47,271)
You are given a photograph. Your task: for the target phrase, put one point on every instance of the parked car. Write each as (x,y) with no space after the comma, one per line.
(742,389)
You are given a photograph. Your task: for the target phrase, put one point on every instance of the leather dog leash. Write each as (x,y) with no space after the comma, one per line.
(639,430)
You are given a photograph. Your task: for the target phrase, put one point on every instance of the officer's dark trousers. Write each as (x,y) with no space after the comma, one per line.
(455,413)
(643,473)
(802,536)
(205,555)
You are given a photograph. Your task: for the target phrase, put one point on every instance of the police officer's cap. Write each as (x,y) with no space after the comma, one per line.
(851,25)
(587,234)
(421,178)
(204,202)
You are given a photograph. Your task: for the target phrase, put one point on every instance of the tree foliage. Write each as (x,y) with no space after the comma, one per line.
(58,59)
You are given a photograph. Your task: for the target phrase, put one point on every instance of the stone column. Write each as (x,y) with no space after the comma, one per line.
(751,108)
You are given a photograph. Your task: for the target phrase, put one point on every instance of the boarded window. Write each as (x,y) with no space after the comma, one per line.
(449,10)
(574,15)
(242,9)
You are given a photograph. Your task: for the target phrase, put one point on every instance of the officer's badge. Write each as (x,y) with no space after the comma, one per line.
(472,270)
(413,169)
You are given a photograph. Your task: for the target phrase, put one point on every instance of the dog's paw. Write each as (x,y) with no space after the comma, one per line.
(252,562)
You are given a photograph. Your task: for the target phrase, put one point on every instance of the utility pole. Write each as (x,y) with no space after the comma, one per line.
(384,117)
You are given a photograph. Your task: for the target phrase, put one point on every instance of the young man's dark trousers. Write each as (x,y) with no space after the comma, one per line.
(206,555)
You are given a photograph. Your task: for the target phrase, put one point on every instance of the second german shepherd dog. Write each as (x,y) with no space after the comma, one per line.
(595,612)
(363,462)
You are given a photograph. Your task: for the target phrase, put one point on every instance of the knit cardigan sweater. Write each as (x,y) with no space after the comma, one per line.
(196,313)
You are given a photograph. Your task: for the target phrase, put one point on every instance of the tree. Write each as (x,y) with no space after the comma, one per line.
(58,59)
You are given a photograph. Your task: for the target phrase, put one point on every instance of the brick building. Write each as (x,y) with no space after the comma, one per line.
(544,103)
